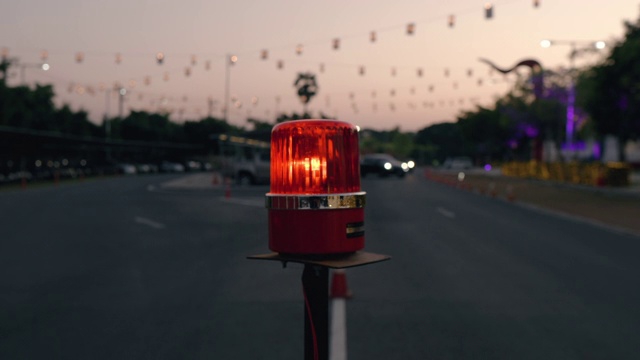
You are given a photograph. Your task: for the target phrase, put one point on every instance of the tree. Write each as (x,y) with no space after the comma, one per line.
(610,91)
(306,87)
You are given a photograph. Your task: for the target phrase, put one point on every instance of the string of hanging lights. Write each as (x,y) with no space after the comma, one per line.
(410,29)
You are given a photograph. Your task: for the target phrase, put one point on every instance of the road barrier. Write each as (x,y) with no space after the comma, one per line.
(594,174)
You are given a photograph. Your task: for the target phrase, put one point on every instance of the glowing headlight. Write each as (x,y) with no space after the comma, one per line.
(388,165)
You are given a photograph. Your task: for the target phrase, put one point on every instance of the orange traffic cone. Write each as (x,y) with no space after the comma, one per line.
(227,190)
(492,189)
(339,287)
(510,194)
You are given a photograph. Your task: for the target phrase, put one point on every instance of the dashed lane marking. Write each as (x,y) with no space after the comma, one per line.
(446,213)
(148,222)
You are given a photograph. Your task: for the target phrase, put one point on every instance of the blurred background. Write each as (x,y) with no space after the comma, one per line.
(499,147)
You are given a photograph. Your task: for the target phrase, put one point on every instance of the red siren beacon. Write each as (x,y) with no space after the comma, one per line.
(315,204)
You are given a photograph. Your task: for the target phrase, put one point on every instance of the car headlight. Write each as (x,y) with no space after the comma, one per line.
(404,166)
(388,165)
(411,164)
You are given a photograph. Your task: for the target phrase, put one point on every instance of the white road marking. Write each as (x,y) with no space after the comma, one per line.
(446,213)
(246,202)
(148,222)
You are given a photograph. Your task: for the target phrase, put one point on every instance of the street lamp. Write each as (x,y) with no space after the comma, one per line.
(44,66)
(577,47)
(229,61)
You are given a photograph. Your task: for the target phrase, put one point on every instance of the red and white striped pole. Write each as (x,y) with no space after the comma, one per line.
(338,335)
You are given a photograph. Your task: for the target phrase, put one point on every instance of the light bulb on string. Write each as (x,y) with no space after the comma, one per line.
(280,64)
(264,54)
(118,58)
(372,36)
(446,72)
(488,10)
(299,49)
(194,60)
(147,80)
(393,71)
(411,28)
(160,58)
(44,55)
(187,71)
(361,70)
(536,3)
(79,57)
(470,73)
(336,44)
(207,65)
(452,21)
(419,72)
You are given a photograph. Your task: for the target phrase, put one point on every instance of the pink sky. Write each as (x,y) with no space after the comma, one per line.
(210,29)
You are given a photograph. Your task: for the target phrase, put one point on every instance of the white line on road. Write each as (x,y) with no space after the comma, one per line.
(446,213)
(150,223)
(246,202)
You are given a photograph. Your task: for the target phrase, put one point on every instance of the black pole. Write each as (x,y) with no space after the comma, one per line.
(315,284)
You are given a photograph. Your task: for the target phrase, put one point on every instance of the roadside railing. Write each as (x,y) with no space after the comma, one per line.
(595,174)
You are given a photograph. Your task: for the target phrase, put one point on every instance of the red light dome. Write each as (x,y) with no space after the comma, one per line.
(315,204)
(314,157)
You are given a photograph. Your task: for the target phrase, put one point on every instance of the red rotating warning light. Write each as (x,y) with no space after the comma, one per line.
(315,203)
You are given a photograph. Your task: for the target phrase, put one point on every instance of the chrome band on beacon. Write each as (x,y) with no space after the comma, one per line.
(316,202)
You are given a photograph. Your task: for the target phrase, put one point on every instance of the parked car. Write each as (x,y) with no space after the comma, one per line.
(171,167)
(382,165)
(126,169)
(458,163)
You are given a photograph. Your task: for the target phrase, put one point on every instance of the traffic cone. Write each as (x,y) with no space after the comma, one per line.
(492,189)
(510,194)
(339,288)
(227,190)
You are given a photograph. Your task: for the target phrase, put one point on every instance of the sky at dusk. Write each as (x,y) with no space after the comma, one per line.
(437,72)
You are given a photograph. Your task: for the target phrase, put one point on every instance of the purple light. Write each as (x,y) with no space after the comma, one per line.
(597,151)
(531,131)
(487,167)
(574,146)
(571,114)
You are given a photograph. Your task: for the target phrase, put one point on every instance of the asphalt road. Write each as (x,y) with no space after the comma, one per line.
(125,268)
